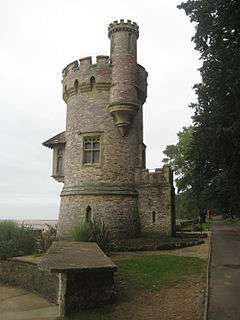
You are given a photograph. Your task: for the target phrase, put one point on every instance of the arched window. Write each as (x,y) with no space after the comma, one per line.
(76,85)
(153,217)
(92,82)
(88,217)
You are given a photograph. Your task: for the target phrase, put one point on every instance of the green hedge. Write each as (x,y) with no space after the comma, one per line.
(16,240)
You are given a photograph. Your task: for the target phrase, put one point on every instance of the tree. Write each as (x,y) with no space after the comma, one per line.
(215,147)
(177,156)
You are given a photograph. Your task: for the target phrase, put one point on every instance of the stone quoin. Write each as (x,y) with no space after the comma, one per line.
(100,157)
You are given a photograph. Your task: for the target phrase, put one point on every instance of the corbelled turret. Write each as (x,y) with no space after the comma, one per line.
(124,94)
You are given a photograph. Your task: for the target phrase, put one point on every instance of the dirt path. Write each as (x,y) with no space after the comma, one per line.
(179,302)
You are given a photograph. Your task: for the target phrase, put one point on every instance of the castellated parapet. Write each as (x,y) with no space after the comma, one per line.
(123,25)
(101,156)
(78,74)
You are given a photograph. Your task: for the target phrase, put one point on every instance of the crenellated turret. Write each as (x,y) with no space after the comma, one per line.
(100,156)
(124,96)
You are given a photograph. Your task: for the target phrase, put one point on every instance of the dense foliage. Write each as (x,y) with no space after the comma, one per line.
(178,157)
(214,152)
(16,240)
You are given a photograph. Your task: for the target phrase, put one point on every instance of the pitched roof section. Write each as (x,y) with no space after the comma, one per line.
(58,139)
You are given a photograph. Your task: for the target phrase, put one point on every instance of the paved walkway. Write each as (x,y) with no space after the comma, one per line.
(24,305)
(224,303)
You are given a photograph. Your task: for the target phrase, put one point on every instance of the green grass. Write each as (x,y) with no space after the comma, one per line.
(148,272)
(153,272)
(205,226)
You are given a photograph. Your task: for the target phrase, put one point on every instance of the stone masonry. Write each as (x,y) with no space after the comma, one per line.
(101,155)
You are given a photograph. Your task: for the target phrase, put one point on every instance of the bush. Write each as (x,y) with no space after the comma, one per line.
(100,234)
(82,232)
(93,231)
(47,236)
(16,240)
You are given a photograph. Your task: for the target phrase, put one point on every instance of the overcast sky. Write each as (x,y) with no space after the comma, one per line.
(37,40)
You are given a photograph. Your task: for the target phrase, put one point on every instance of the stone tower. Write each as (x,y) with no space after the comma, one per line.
(101,155)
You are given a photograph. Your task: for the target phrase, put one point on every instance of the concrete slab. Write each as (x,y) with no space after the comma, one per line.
(80,256)
(19,304)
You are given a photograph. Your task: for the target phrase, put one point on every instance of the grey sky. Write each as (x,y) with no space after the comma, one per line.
(37,40)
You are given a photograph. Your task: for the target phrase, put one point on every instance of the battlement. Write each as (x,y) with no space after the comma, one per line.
(85,63)
(82,76)
(121,25)
(159,177)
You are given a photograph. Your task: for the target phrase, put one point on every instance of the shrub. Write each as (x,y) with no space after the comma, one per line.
(82,232)
(47,236)
(16,240)
(100,234)
(93,231)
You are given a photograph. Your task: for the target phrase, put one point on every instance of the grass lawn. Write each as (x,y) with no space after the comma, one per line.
(154,272)
(146,274)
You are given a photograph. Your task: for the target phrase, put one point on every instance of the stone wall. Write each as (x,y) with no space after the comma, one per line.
(156,202)
(27,275)
(117,211)
(88,290)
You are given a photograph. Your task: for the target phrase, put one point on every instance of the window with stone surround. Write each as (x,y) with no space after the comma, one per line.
(91,149)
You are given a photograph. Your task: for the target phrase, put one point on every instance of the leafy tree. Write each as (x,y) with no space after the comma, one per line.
(177,156)
(214,152)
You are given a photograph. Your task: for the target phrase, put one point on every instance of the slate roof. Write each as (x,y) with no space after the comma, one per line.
(58,139)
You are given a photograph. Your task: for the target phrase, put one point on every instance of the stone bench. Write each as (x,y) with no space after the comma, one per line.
(86,275)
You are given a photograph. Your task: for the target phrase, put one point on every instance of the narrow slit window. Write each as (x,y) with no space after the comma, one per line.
(88,217)
(129,42)
(153,217)
(76,85)
(91,150)
(92,82)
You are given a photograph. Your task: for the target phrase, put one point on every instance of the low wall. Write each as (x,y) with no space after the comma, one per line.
(27,275)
